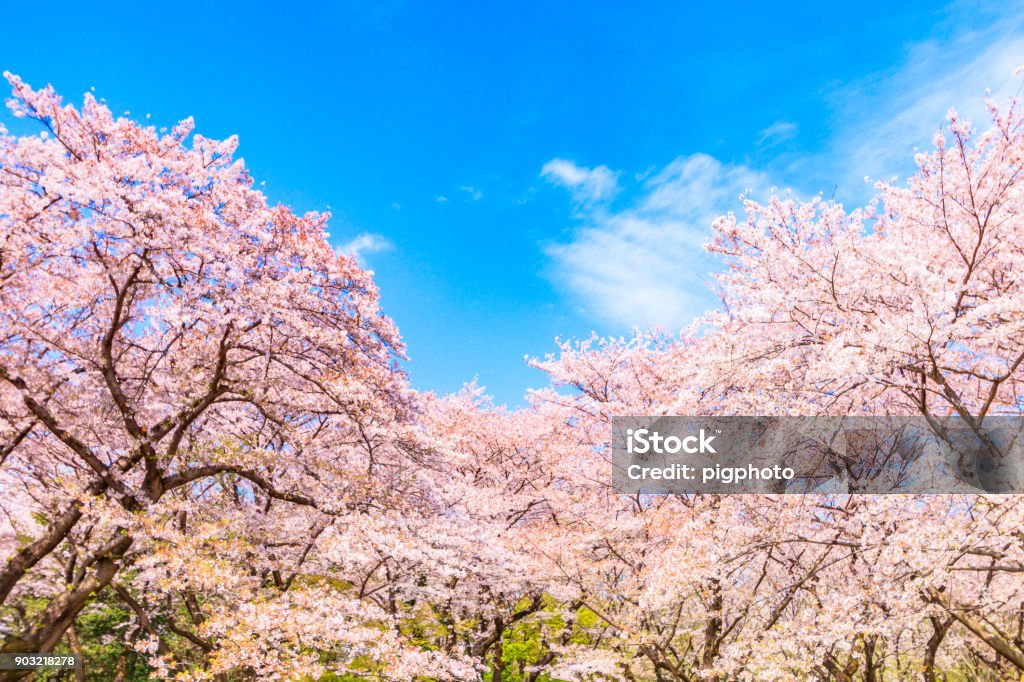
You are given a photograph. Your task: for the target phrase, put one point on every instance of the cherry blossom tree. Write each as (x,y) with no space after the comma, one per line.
(203,420)
(910,306)
(195,391)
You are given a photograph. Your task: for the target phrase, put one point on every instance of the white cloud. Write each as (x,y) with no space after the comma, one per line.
(363,244)
(777,132)
(646,265)
(882,119)
(588,185)
(473,192)
(442,199)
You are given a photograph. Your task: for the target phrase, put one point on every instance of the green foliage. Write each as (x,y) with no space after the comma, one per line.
(101,628)
(522,647)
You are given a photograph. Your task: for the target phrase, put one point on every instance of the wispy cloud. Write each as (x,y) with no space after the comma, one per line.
(882,119)
(777,132)
(364,243)
(589,186)
(645,265)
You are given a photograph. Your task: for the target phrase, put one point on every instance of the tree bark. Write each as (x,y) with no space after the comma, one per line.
(29,556)
(76,647)
(999,644)
(939,629)
(62,610)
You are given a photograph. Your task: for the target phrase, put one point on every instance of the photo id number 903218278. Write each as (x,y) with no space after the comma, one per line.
(41,661)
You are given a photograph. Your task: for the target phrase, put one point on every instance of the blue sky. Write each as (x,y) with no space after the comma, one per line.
(518,171)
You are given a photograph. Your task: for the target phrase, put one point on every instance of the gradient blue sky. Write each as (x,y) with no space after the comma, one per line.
(518,171)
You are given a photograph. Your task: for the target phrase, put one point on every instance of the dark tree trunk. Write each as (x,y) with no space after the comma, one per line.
(939,629)
(29,556)
(62,610)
